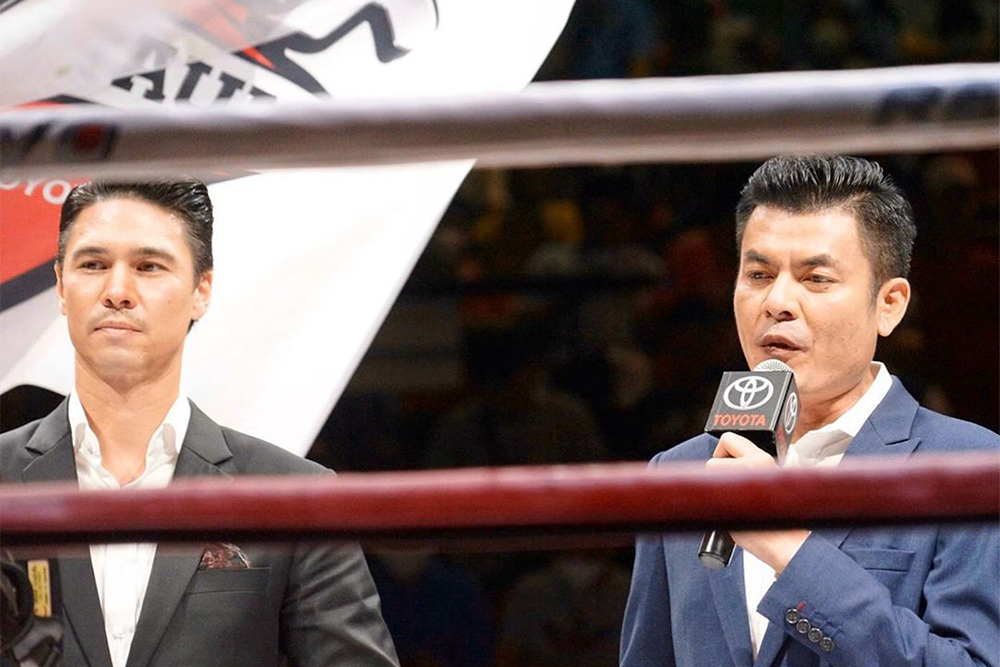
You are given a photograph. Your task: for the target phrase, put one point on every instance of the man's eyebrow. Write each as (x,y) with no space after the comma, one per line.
(150,251)
(756,257)
(820,260)
(145,251)
(89,250)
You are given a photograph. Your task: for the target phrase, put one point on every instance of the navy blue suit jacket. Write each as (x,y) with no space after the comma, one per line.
(888,597)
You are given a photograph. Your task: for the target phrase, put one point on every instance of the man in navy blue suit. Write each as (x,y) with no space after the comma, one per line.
(825,245)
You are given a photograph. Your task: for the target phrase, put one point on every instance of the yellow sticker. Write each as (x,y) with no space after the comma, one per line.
(41,584)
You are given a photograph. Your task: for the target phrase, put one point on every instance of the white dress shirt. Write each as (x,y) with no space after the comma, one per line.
(122,570)
(824,446)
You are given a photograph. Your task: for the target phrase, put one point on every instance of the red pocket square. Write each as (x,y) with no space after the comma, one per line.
(223,556)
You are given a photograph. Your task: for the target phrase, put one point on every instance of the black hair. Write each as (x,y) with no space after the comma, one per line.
(187,199)
(808,184)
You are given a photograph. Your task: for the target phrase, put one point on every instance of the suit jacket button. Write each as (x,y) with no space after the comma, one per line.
(826,644)
(792,616)
(815,635)
(803,626)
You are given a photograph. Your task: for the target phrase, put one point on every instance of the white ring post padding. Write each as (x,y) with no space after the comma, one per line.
(712,118)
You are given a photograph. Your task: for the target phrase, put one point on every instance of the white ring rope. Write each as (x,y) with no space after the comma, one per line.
(712,118)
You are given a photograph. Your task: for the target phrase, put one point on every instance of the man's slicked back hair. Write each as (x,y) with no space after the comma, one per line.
(188,200)
(810,184)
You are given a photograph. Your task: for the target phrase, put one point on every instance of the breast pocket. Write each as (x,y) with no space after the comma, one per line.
(228,615)
(887,560)
(253,579)
(894,569)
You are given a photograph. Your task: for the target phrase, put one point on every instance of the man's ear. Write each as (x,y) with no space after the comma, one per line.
(893,298)
(202,295)
(59,287)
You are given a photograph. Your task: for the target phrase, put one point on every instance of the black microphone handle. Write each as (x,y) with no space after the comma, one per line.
(716,550)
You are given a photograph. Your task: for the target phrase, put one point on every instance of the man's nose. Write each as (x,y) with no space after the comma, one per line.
(781,303)
(119,288)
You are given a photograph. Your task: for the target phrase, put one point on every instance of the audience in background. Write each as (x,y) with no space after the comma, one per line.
(567,613)
(437,611)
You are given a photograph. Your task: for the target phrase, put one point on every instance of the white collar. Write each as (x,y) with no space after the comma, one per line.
(173,428)
(834,438)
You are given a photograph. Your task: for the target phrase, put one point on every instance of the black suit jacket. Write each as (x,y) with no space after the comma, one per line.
(314,604)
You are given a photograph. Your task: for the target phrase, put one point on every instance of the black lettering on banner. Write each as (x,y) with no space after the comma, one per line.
(156,77)
(196,70)
(276,51)
(257,92)
(230,84)
(276,59)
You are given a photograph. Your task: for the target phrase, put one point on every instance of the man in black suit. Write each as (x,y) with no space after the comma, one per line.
(134,272)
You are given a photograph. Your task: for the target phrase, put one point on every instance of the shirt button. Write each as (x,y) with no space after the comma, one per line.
(826,644)
(792,616)
(803,626)
(815,635)
(118,632)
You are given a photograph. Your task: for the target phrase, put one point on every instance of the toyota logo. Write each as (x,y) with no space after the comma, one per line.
(791,413)
(750,392)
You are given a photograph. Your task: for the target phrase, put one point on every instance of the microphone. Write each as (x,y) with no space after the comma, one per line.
(761,405)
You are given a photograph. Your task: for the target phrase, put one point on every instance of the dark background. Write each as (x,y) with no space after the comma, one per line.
(611,289)
(584,314)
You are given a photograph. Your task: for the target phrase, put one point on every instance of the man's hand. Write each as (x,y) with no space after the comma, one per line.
(775,547)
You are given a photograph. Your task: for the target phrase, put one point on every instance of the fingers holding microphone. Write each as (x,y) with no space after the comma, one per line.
(736,451)
(776,548)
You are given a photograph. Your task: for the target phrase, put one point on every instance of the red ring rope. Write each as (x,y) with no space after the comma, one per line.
(438,506)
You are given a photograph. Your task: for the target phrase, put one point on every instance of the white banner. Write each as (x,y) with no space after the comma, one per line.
(307,262)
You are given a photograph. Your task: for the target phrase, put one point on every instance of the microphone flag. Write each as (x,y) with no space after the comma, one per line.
(762,406)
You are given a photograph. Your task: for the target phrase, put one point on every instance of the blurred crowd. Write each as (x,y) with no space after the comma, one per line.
(594,306)
(623,38)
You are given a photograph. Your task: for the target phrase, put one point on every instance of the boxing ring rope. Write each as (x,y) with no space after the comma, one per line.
(536,505)
(709,118)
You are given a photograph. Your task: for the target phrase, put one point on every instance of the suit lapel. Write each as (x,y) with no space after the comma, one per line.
(203,451)
(885,433)
(887,430)
(729,595)
(83,608)
(56,462)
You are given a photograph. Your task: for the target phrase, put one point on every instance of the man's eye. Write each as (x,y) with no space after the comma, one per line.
(150,267)
(819,279)
(756,275)
(91,265)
